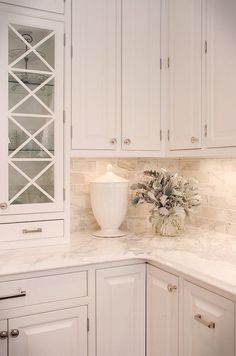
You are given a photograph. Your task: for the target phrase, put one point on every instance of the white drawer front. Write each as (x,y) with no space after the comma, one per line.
(31,230)
(39,290)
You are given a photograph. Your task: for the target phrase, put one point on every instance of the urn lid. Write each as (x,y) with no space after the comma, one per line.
(110,177)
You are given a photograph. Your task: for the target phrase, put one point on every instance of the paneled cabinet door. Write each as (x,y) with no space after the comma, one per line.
(141,74)
(95,80)
(47,5)
(121,311)
(60,333)
(162,313)
(221,73)
(31,111)
(184,74)
(3,338)
(208,323)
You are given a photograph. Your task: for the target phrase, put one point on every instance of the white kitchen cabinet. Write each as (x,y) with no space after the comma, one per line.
(31,108)
(184,101)
(220,73)
(95,75)
(3,338)
(162,313)
(141,75)
(46,5)
(120,309)
(61,332)
(208,323)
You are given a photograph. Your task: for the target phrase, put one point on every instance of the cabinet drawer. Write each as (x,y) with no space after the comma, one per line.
(31,230)
(39,290)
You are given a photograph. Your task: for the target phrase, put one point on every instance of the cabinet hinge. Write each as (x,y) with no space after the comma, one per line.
(87,324)
(206,46)
(160,135)
(168,62)
(71,132)
(168,135)
(71,51)
(64,194)
(160,63)
(205,130)
(64,116)
(64,39)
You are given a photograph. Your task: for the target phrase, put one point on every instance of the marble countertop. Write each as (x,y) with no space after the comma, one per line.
(208,256)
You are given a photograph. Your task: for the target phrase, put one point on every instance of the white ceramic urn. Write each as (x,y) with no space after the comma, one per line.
(109,199)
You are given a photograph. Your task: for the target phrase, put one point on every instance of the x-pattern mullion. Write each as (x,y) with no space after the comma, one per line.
(31,181)
(31,92)
(32,48)
(31,137)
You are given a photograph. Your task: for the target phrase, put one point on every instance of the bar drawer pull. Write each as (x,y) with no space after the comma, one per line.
(11,296)
(209,324)
(26,231)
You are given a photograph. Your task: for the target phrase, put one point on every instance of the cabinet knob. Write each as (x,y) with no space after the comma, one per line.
(14,332)
(194,139)
(171,288)
(3,206)
(113,141)
(127,141)
(3,335)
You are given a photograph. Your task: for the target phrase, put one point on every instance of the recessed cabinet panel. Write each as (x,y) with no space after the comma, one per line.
(47,5)
(141,74)
(3,338)
(121,311)
(31,152)
(184,74)
(162,313)
(61,333)
(94,79)
(208,323)
(221,73)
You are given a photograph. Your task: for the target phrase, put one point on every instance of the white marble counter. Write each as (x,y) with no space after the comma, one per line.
(208,256)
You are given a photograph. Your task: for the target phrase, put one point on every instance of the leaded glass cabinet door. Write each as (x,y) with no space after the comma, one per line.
(31,114)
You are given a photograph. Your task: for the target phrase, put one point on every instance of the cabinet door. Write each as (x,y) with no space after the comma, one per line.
(184,74)
(221,73)
(141,74)
(121,311)
(48,5)
(60,333)
(208,323)
(3,338)
(162,313)
(31,109)
(94,74)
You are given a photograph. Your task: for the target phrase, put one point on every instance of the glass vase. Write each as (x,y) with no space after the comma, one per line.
(167,225)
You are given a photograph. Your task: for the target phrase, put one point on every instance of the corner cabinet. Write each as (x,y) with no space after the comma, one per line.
(31,147)
(116,76)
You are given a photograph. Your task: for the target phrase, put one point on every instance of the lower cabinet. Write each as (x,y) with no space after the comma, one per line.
(208,323)
(120,309)
(60,333)
(162,313)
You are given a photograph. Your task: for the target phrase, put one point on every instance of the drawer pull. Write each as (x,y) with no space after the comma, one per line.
(209,324)
(26,231)
(11,296)
(171,288)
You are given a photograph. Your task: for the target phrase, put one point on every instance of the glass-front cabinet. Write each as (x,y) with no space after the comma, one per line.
(31,114)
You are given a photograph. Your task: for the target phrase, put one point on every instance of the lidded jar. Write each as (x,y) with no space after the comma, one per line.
(109,199)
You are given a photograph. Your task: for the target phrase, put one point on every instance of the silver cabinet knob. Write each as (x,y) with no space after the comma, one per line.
(113,141)
(3,335)
(171,288)
(14,332)
(3,206)
(127,141)
(194,139)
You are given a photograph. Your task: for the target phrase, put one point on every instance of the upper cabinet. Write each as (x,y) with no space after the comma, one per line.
(95,79)
(47,5)
(141,74)
(113,108)
(184,74)
(220,73)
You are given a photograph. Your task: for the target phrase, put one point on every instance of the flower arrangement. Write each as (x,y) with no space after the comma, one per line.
(171,196)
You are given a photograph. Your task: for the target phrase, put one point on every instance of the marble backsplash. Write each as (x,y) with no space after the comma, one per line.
(217,185)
